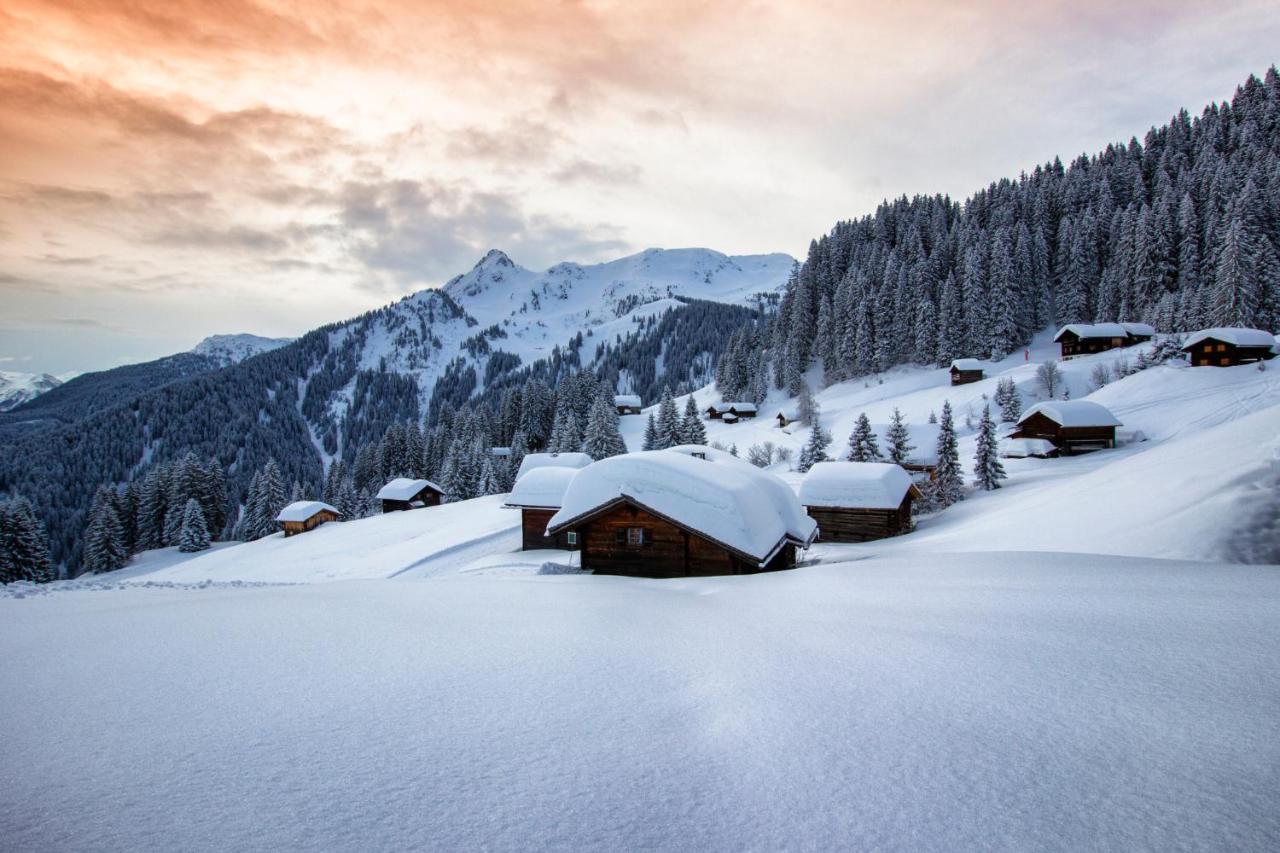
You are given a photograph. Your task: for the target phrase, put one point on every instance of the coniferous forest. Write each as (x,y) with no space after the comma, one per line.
(1180,230)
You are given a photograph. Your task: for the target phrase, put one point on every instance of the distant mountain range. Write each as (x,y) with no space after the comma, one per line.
(19,388)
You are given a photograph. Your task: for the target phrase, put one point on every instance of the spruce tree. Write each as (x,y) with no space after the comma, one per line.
(899,439)
(24,547)
(602,439)
(195,534)
(863,446)
(271,500)
(815,450)
(104,549)
(987,468)
(692,430)
(949,480)
(650,434)
(668,426)
(564,434)
(1010,402)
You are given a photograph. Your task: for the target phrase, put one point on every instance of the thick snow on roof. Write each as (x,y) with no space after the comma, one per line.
(864,485)
(923,439)
(1020,448)
(552,460)
(791,413)
(542,487)
(1099,330)
(966,364)
(734,504)
(1144,329)
(1074,413)
(302,510)
(739,406)
(1237,337)
(627,400)
(403,489)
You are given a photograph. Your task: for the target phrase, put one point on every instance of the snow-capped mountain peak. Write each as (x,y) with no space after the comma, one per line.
(19,388)
(233,349)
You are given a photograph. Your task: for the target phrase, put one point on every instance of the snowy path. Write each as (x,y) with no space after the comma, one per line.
(456,557)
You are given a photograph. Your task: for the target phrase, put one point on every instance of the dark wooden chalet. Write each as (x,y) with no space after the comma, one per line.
(787,416)
(538,495)
(666,515)
(739,410)
(627,404)
(858,501)
(301,516)
(1072,425)
(966,370)
(1229,347)
(1087,338)
(403,493)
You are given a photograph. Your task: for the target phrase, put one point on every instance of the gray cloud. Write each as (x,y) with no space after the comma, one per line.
(592,172)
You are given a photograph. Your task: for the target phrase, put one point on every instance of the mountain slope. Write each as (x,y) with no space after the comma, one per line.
(19,388)
(233,349)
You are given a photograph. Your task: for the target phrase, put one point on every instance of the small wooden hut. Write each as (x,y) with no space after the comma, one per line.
(538,495)
(1229,347)
(1072,425)
(627,404)
(661,514)
(858,501)
(966,370)
(403,493)
(740,410)
(301,516)
(1087,338)
(787,416)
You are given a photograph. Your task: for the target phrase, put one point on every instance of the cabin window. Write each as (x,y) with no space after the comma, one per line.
(571,538)
(633,536)
(1226,362)
(1222,347)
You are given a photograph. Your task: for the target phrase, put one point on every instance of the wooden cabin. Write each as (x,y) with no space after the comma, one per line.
(1229,347)
(966,370)
(922,459)
(403,493)
(301,516)
(660,514)
(786,417)
(627,404)
(1088,338)
(538,495)
(1071,425)
(740,410)
(859,501)
(532,461)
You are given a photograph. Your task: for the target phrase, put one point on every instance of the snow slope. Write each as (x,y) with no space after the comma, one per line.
(233,349)
(19,388)
(971,702)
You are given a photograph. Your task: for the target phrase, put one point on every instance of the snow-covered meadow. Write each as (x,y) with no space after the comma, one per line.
(1066,663)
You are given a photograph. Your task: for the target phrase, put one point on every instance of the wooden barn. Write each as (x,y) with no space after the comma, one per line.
(403,493)
(740,411)
(627,404)
(1229,347)
(1072,425)
(1087,338)
(532,461)
(538,495)
(858,501)
(660,514)
(301,516)
(787,416)
(966,370)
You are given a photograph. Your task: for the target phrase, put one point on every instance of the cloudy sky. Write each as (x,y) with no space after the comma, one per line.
(174,169)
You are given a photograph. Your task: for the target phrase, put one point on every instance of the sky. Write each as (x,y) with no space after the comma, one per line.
(178,169)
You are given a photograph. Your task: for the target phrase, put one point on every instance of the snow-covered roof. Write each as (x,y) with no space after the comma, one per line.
(542,487)
(1106,330)
(1020,448)
(861,485)
(739,406)
(1073,413)
(741,507)
(553,460)
(499,451)
(729,417)
(1236,337)
(403,489)
(629,400)
(923,439)
(791,413)
(966,364)
(302,510)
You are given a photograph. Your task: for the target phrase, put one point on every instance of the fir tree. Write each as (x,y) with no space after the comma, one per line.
(195,534)
(987,468)
(668,426)
(602,439)
(692,430)
(815,450)
(949,480)
(24,547)
(650,434)
(564,435)
(899,438)
(104,549)
(863,446)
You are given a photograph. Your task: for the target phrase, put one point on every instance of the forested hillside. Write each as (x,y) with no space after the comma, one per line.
(1179,230)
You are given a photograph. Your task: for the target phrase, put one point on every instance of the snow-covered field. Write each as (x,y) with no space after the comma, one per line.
(1020,673)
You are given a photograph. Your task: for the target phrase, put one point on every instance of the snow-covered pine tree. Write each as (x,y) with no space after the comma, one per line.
(692,430)
(490,482)
(104,549)
(297,493)
(815,450)
(807,408)
(271,499)
(195,534)
(949,481)
(564,434)
(899,439)
(1009,400)
(603,439)
(24,547)
(668,424)
(987,468)
(863,446)
(650,434)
